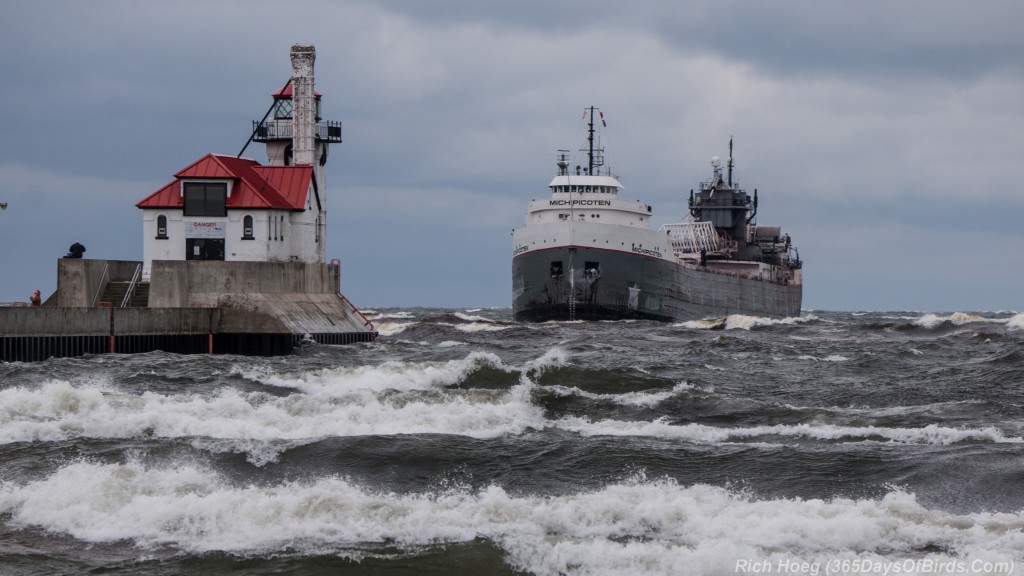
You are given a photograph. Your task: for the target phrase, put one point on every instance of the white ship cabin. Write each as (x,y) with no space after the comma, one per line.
(235,209)
(588,198)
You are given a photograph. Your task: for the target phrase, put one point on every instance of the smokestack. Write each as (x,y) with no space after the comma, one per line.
(303,107)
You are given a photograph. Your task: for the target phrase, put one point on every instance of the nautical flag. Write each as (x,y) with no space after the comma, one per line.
(603,123)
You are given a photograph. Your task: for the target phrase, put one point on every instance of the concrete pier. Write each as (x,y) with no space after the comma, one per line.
(194,307)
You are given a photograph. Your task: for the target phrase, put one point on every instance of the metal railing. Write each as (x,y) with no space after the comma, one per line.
(131,286)
(326,130)
(692,236)
(100,285)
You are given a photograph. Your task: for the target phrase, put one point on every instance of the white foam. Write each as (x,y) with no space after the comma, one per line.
(829,358)
(704,324)
(647,399)
(743,322)
(402,314)
(472,317)
(479,327)
(701,433)
(393,375)
(552,358)
(636,527)
(957,319)
(1016,322)
(393,398)
(391,328)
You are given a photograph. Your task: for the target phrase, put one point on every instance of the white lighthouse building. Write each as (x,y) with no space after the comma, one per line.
(233,257)
(231,208)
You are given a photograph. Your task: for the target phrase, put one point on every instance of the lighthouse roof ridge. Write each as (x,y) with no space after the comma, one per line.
(256,186)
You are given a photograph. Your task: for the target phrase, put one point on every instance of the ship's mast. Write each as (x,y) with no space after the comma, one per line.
(730,162)
(595,156)
(590,141)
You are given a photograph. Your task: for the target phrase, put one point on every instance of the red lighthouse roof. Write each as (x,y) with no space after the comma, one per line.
(286,92)
(254,186)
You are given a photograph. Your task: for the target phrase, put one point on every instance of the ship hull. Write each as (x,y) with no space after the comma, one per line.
(586,283)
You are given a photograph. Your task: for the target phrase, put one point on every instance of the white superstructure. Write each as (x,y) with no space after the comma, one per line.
(585,210)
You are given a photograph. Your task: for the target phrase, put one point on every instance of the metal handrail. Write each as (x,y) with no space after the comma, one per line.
(131,286)
(264,131)
(366,321)
(102,284)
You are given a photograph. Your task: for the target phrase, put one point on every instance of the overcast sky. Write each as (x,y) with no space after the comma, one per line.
(886,137)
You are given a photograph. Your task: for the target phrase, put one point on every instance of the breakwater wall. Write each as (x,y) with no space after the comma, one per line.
(249,308)
(33,334)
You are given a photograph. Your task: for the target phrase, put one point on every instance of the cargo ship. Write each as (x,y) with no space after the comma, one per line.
(587,253)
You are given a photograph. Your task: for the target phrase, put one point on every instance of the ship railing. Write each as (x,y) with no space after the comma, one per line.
(693,236)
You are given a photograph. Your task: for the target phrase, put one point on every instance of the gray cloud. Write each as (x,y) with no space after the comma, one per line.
(885,137)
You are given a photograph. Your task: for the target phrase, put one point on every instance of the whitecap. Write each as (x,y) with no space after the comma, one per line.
(479,327)
(1016,322)
(743,322)
(401,315)
(636,526)
(387,399)
(472,317)
(553,358)
(957,319)
(646,398)
(393,375)
(704,434)
(829,358)
(391,328)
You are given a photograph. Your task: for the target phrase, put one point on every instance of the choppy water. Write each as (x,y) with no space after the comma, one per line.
(464,443)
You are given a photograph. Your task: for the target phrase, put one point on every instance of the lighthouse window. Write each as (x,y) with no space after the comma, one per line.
(247,228)
(161,227)
(283,109)
(206,198)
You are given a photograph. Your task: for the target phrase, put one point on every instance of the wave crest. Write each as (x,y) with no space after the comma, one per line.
(744,322)
(637,526)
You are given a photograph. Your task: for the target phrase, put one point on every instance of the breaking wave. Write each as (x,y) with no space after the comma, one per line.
(955,319)
(636,526)
(704,434)
(742,322)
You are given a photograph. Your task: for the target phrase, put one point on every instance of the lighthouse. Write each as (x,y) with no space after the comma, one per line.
(232,208)
(233,256)
(296,135)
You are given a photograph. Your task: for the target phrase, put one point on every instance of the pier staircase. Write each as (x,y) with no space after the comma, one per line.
(116,291)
